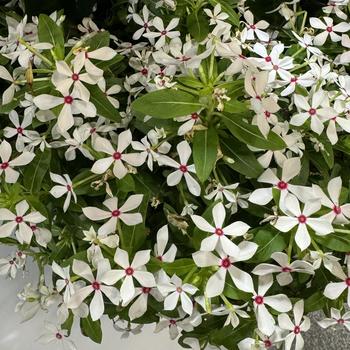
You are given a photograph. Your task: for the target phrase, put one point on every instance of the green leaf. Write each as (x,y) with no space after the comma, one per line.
(35,172)
(198,25)
(269,241)
(327,153)
(244,159)
(337,241)
(232,292)
(91,329)
(205,144)
(180,267)
(50,32)
(166,104)
(251,135)
(100,39)
(234,106)
(103,106)
(315,302)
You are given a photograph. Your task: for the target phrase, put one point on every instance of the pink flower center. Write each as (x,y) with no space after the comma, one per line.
(33,227)
(340,321)
(146,290)
(117,155)
(282,185)
(293,79)
(160,258)
(163,32)
(59,336)
(183,168)
(329,29)
(296,330)
(69,188)
(302,219)
(267,343)
(267,114)
(219,231)
(19,254)
(312,111)
(172,322)
(145,25)
(68,99)
(116,213)
(252,26)
(268,59)
(92,130)
(96,286)
(144,71)
(129,271)
(286,269)
(259,300)
(11,262)
(337,209)
(226,263)
(275,67)
(194,116)
(4,165)
(179,289)
(75,76)
(19,219)
(20,130)
(347,281)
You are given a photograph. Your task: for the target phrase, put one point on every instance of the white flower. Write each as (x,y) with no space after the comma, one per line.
(336,318)
(305,80)
(302,219)
(98,285)
(91,236)
(222,192)
(54,334)
(279,302)
(7,165)
(163,32)
(264,341)
(329,29)
(252,29)
(225,263)
(117,157)
(80,135)
(9,267)
(183,169)
(339,214)
(112,90)
(114,213)
(216,16)
(64,77)
(296,327)
(65,282)
(145,22)
(19,222)
(173,324)
(71,104)
(159,247)
(219,233)
(23,135)
(177,290)
(333,290)
(65,187)
(135,270)
(285,268)
(313,111)
(42,235)
(9,93)
(189,122)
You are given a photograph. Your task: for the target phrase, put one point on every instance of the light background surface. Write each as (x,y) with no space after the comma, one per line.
(22,336)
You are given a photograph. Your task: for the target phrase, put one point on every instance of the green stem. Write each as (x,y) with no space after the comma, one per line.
(298,52)
(190,274)
(290,246)
(35,52)
(91,177)
(341,230)
(315,245)
(227,303)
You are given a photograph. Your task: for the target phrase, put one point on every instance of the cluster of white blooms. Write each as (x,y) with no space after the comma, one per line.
(206,183)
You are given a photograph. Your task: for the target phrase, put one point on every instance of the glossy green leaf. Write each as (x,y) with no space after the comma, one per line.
(205,144)
(103,106)
(180,267)
(198,25)
(337,241)
(91,329)
(36,170)
(251,135)
(98,40)
(50,32)
(167,103)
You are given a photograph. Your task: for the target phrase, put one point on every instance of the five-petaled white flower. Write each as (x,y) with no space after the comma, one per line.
(159,247)
(300,324)
(225,263)
(218,232)
(64,186)
(336,318)
(117,156)
(178,290)
(54,334)
(115,212)
(64,283)
(20,223)
(99,285)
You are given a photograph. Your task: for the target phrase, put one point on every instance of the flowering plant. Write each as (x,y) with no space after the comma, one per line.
(190,171)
